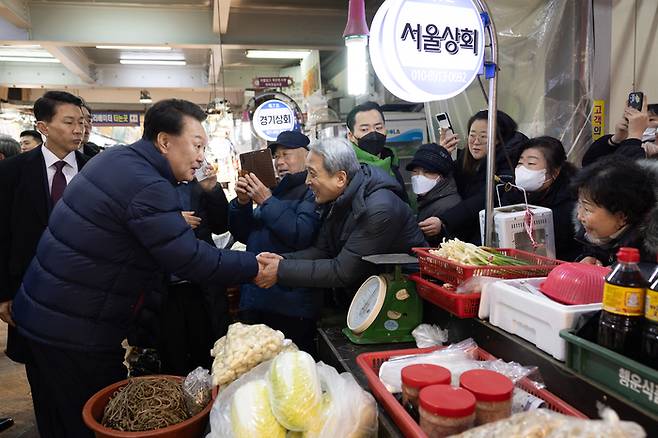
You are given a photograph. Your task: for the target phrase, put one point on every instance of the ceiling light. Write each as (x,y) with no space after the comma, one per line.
(20,46)
(278,54)
(151,62)
(145,97)
(27,59)
(161,48)
(30,53)
(154,56)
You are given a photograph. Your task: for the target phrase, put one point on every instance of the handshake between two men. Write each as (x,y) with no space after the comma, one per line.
(268,267)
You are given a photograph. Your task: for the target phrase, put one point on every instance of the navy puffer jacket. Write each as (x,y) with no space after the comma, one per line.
(118,224)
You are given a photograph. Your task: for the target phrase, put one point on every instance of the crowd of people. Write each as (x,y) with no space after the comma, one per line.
(96,248)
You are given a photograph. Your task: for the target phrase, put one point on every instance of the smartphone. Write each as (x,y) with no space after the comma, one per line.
(259,163)
(635,100)
(444,121)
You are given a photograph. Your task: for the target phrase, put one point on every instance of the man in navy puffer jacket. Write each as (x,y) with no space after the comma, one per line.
(285,220)
(119,224)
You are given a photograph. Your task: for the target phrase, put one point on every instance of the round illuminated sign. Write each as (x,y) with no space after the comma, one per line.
(271,118)
(425,50)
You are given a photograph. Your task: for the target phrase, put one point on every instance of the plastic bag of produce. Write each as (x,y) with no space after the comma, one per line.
(295,391)
(197,388)
(251,414)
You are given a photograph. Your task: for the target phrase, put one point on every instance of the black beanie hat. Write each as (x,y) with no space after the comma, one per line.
(433,158)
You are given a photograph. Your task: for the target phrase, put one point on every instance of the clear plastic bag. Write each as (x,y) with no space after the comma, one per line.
(427,335)
(197,388)
(542,423)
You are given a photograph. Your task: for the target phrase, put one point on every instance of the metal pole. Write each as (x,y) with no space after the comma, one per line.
(430,125)
(491,129)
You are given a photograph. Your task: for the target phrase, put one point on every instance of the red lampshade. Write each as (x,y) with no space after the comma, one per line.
(356,19)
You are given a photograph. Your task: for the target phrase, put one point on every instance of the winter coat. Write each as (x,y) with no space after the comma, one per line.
(643,236)
(463,220)
(629,148)
(562,201)
(368,218)
(117,226)
(287,221)
(443,196)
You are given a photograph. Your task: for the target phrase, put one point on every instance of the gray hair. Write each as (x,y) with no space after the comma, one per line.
(8,146)
(337,154)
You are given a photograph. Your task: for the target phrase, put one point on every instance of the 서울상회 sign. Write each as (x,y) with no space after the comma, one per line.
(271,118)
(425,50)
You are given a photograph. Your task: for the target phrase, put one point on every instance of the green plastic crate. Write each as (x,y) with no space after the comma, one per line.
(623,376)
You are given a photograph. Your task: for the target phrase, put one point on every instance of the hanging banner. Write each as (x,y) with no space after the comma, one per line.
(271,118)
(426,50)
(115,118)
(598,119)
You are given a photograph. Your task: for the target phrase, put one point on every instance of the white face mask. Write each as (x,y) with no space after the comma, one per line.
(528,179)
(421,184)
(649,134)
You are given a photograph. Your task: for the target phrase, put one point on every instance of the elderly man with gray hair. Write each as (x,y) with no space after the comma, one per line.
(8,147)
(364,215)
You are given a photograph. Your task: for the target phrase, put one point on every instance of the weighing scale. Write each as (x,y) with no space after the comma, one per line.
(385,308)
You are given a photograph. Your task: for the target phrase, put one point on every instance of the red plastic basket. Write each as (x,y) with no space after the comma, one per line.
(456,273)
(460,305)
(370,363)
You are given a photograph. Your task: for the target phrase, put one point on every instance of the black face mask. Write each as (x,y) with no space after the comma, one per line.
(373,142)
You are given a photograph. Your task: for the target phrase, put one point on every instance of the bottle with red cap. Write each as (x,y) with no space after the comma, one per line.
(493,392)
(650,332)
(416,377)
(445,410)
(620,326)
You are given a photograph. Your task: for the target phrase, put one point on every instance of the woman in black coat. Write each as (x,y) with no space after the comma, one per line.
(462,221)
(544,172)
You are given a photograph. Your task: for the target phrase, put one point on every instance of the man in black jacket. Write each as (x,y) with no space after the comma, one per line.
(364,215)
(30,185)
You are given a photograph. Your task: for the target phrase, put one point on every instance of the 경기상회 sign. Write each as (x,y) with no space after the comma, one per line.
(271,118)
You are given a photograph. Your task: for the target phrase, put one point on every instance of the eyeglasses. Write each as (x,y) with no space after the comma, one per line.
(480,138)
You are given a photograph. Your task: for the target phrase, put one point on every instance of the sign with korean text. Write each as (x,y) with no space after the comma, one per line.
(598,119)
(426,50)
(115,118)
(271,118)
(273,82)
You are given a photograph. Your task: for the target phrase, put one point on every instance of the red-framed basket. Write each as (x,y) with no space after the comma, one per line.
(460,305)
(456,273)
(371,362)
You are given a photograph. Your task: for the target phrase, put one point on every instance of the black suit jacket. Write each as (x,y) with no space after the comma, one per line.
(25,206)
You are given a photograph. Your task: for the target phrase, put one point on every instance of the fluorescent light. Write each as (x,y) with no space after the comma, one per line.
(150,62)
(160,48)
(27,59)
(5,51)
(357,65)
(277,54)
(154,56)
(20,46)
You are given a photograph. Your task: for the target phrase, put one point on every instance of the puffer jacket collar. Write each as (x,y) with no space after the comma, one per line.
(290,182)
(148,150)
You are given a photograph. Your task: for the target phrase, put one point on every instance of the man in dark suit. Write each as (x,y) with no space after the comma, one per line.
(30,184)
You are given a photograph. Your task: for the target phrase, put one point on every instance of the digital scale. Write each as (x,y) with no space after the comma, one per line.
(385,308)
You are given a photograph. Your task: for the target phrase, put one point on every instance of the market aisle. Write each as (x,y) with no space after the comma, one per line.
(15,395)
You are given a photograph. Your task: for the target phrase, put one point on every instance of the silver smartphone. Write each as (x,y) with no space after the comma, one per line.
(444,121)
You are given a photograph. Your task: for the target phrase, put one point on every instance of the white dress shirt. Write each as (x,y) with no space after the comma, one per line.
(69,171)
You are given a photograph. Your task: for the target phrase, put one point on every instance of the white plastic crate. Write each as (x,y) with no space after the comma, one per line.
(537,319)
(510,232)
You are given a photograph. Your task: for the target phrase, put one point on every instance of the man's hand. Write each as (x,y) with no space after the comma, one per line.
(192,221)
(621,130)
(5,313)
(257,190)
(268,264)
(638,121)
(241,189)
(210,180)
(448,140)
(589,260)
(431,226)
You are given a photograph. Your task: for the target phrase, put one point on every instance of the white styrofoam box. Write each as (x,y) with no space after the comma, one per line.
(509,231)
(537,319)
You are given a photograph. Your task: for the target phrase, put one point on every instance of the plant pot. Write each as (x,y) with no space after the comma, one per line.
(92,414)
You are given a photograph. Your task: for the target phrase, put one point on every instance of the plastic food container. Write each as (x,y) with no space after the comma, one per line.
(493,393)
(416,377)
(445,410)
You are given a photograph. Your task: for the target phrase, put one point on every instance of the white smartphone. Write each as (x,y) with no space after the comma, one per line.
(444,121)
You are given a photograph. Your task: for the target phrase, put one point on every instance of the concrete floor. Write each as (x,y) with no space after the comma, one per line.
(15,397)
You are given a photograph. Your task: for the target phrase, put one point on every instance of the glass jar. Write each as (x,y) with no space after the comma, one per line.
(493,393)
(416,377)
(445,410)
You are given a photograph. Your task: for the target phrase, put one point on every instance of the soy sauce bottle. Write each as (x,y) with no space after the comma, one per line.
(650,332)
(620,326)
